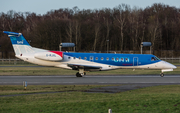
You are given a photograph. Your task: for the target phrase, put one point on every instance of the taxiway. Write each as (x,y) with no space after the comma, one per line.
(72,80)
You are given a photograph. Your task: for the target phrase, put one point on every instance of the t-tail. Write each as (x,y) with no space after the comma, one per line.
(19,43)
(30,54)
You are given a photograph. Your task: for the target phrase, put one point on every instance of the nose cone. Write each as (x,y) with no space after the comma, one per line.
(174,67)
(167,65)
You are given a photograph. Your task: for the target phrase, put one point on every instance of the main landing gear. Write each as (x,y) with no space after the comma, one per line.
(81,73)
(162,74)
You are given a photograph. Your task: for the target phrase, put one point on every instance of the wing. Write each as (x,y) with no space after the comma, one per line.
(82,66)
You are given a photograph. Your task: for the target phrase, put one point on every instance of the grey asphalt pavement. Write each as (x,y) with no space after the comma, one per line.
(72,80)
(125,83)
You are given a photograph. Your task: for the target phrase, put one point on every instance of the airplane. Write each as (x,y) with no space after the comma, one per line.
(83,62)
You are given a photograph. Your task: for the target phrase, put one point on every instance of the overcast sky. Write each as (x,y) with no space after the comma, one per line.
(43,6)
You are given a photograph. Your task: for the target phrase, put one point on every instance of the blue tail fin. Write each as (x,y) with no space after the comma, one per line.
(19,43)
(16,38)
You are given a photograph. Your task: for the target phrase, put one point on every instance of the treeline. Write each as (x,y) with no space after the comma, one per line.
(121,28)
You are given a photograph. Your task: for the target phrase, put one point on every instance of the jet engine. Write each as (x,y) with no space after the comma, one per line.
(50,55)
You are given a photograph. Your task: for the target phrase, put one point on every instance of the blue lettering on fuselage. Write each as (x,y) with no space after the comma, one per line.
(115,59)
(121,59)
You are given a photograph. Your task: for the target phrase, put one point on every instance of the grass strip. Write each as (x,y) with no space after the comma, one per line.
(156,99)
(19,89)
(26,70)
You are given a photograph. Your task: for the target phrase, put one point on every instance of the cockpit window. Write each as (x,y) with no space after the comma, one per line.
(157,58)
(154,58)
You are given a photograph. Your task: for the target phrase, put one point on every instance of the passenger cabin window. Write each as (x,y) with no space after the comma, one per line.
(96,58)
(85,58)
(122,60)
(91,58)
(126,59)
(107,58)
(69,57)
(102,58)
(112,59)
(79,57)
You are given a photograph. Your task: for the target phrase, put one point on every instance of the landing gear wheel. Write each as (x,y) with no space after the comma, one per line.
(78,74)
(162,74)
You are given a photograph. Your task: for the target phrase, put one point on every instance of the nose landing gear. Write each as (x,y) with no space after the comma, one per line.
(162,74)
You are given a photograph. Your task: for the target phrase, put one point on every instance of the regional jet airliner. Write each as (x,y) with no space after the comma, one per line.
(83,62)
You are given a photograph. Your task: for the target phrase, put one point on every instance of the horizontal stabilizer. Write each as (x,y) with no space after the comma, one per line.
(12,33)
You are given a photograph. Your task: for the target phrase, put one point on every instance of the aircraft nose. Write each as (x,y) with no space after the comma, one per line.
(168,65)
(174,67)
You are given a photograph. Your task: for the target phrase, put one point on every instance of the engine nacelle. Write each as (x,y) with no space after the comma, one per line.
(50,55)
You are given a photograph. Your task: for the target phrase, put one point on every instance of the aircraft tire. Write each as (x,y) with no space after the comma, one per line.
(78,74)
(162,74)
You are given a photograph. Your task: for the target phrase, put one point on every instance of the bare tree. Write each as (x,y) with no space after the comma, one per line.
(134,27)
(2,21)
(142,28)
(69,31)
(96,32)
(154,30)
(77,33)
(97,28)
(120,18)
